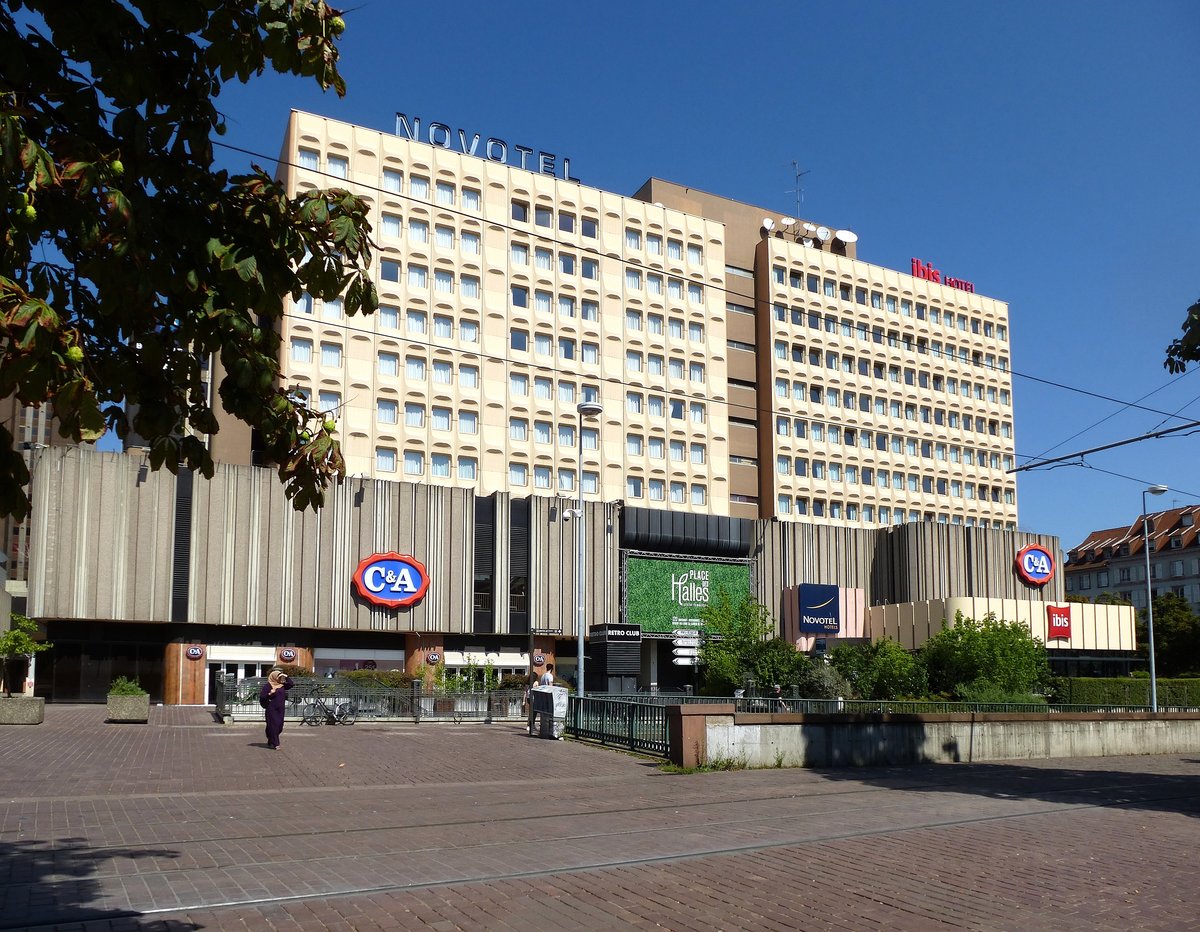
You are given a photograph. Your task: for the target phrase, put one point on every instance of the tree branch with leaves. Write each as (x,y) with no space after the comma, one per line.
(127,258)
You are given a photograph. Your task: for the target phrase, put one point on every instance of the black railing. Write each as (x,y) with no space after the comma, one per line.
(637,726)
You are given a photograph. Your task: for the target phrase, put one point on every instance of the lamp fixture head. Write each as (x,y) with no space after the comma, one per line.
(1158,489)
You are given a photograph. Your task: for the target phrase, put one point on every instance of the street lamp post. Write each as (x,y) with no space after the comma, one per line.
(586,409)
(1152,490)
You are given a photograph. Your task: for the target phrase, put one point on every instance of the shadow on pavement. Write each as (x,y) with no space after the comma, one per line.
(43,884)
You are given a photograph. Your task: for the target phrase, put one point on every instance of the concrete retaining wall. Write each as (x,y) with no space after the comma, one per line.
(709,733)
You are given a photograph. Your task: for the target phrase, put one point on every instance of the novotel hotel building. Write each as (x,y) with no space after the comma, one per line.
(732,395)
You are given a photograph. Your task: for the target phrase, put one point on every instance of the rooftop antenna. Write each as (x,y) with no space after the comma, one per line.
(798,191)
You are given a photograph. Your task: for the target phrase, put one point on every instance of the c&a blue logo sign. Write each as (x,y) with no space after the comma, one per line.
(1035,565)
(391,579)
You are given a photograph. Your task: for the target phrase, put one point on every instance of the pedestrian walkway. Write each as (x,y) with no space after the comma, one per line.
(188,824)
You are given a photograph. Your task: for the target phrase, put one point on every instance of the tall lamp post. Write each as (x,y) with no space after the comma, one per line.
(588,408)
(1152,490)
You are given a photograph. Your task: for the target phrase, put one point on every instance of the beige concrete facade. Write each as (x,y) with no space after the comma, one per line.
(507,298)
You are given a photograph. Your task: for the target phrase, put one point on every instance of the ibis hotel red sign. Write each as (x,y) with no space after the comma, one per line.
(393,580)
(926,272)
(1058,622)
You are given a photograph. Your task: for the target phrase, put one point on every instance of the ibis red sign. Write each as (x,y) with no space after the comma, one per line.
(1058,622)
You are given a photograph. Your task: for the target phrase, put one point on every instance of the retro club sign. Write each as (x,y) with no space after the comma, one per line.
(1035,565)
(392,580)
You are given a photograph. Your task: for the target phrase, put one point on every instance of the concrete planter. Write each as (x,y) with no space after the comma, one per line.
(22,710)
(129,708)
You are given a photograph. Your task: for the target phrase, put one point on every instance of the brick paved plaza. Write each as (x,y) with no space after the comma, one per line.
(187,824)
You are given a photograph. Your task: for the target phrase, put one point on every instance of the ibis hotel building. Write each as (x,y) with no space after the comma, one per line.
(569,399)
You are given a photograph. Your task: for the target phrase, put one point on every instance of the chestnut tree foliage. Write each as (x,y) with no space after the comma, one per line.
(126,259)
(1187,348)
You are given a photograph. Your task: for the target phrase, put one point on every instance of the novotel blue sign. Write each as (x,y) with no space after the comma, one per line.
(1035,565)
(819,609)
(393,580)
(493,149)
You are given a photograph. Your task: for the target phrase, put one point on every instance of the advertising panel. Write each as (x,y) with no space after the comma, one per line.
(819,609)
(664,596)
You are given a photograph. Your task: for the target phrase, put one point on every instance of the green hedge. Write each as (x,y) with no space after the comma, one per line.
(1084,690)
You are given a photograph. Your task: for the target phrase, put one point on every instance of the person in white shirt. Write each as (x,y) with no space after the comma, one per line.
(547,678)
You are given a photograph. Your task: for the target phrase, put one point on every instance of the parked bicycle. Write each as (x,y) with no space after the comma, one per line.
(320,711)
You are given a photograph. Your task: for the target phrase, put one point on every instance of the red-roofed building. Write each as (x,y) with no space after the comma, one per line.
(1114,560)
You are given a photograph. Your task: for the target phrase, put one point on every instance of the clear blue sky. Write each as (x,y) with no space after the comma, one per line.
(1049,152)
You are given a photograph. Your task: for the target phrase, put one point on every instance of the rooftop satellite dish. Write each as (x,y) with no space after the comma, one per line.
(768,223)
(808,242)
(788,221)
(846,236)
(823,234)
(810,227)
(659,204)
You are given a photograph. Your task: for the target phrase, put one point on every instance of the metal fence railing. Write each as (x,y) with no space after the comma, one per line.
(238,701)
(634,725)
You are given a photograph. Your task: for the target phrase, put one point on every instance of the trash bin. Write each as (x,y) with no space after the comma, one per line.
(549,711)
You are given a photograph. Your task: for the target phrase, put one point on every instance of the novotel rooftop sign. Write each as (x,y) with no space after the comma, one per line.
(492,148)
(391,579)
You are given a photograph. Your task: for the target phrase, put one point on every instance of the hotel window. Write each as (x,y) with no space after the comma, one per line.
(440,418)
(589,310)
(633,279)
(445,193)
(520,296)
(633,402)
(587,226)
(339,166)
(389,364)
(470,286)
(541,477)
(678,492)
(674,249)
(470,244)
(304,304)
(302,350)
(591,269)
(468,330)
(542,432)
(543,388)
(591,438)
(654,324)
(566,392)
(331,355)
(698,453)
(518,340)
(541,344)
(443,373)
(654,364)
(472,200)
(696,371)
(696,332)
(566,480)
(518,428)
(443,282)
(541,302)
(677,451)
(310,160)
(543,216)
(674,289)
(414,369)
(566,306)
(633,444)
(566,263)
(393,181)
(696,293)
(444,237)
(389,270)
(389,317)
(386,411)
(676,368)
(385,459)
(675,329)
(468,422)
(543,259)
(654,244)
(520,254)
(877,302)
(520,211)
(695,255)
(633,321)
(591,353)
(390,225)
(566,348)
(566,222)
(439,465)
(468,376)
(518,385)
(328,402)
(698,494)
(332,308)
(633,361)
(633,239)
(419,187)
(467,467)
(414,463)
(654,284)
(633,487)
(657,490)
(591,482)
(654,406)
(418,276)
(415,322)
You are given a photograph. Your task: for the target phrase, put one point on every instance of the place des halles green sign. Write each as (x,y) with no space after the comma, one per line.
(668,595)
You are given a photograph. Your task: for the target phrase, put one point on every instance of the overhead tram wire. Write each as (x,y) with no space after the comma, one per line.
(592,251)
(1109,472)
(1190,426)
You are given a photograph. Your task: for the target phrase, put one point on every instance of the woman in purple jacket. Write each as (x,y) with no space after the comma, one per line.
(274,699)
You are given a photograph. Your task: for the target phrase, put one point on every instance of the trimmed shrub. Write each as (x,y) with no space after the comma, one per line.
(1125,690)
